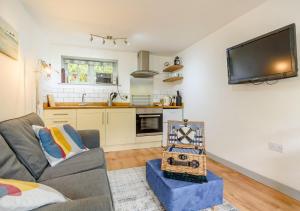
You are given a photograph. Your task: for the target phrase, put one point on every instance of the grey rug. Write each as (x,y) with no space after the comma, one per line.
(131,192)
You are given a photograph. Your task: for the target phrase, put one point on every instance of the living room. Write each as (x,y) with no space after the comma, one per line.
(93,90)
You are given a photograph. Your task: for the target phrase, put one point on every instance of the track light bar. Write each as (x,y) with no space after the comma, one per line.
(109,38)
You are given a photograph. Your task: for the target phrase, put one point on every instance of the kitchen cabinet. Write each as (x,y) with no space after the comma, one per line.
(60,116)
(120,126)
(92,119)
(117,126)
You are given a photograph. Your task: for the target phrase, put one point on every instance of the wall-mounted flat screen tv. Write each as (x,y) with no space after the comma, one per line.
(268,57)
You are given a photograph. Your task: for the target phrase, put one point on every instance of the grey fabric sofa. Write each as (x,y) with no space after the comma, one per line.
(82,178)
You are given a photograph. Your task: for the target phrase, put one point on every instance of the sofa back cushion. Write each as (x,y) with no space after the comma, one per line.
(19,135)
(10,166)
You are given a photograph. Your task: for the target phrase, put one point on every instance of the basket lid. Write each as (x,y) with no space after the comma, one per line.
(185,132)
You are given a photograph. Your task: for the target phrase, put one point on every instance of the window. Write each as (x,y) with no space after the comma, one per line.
(89,71)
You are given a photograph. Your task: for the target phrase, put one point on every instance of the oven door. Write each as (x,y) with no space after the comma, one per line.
(149,124)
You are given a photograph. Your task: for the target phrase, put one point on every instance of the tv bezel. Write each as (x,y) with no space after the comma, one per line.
(293,46)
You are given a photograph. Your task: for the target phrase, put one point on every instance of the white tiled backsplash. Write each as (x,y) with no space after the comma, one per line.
(94,93)
(74,94)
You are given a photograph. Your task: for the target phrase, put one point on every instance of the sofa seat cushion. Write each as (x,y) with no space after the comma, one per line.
(102,203)
(10,166)
(84,161)
(82,185)
(19,135)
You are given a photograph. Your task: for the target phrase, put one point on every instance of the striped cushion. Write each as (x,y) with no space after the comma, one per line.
(59,143)
(21,195)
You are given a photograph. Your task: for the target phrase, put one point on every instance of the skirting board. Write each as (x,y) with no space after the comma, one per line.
(262,179)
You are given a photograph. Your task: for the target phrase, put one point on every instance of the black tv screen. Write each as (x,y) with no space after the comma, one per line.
(271,56)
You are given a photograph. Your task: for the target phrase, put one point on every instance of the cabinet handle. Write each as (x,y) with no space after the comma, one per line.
(60,114)
(107,117)
(60,121)
(158,115)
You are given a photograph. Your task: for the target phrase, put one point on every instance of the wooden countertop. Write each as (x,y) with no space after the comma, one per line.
(102,105)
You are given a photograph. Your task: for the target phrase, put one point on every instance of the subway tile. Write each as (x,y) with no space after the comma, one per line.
(77,99)
(68,90)
(59,99)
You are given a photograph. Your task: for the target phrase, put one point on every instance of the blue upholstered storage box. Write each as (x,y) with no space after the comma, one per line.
(178,195)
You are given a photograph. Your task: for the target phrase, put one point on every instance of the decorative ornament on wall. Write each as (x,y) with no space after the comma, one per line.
(106,39)
(9,40)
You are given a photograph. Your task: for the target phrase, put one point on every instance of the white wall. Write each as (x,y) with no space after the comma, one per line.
(17,86)
(242,119)
(127,63)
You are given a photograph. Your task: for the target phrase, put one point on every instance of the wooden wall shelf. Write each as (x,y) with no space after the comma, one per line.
(173,68)
(172,79)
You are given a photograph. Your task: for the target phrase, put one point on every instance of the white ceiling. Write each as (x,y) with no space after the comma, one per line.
(162,26)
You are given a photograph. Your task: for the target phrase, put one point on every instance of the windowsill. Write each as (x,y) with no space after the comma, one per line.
(89,84)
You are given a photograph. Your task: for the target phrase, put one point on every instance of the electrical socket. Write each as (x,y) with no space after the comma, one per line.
(275,147)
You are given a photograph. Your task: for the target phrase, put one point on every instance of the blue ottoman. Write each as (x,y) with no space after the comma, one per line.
(178,195)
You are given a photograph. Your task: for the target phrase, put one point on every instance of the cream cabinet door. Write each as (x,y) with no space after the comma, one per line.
(92,119)
(120,126)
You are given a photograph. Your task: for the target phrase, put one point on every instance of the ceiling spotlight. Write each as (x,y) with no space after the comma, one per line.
(126,42)
(115,43)
(92,38)
(103,41)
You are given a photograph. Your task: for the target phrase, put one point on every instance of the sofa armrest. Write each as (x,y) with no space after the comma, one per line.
(102,203)
(90,138)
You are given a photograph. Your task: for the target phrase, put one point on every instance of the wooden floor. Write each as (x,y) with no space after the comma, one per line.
(241,191)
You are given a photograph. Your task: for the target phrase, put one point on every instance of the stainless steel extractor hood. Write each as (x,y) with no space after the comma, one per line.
(143,70)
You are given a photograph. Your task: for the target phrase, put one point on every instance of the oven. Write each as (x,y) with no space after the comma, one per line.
(149,121)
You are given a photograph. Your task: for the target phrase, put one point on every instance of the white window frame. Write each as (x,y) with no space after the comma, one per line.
(91,71)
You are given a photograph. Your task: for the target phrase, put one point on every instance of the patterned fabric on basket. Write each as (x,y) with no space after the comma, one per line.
(186,133)
(21,195)
(184,150)
(59,143)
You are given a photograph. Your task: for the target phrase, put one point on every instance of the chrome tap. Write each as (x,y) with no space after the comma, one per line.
(111,97)
(83,99)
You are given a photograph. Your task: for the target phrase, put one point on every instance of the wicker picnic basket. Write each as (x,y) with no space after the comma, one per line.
(184,158)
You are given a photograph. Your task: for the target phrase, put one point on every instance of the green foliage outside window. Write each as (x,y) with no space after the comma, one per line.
(87,71)
(78,73)
(104,68)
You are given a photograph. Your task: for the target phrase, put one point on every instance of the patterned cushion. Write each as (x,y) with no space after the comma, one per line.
(21,195)
(59,143)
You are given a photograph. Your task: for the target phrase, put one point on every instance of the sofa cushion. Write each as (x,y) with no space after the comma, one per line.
(59,143)
(92,159)
(20,137)
(82,185)
(24,195)
(11,168)
(90,138)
